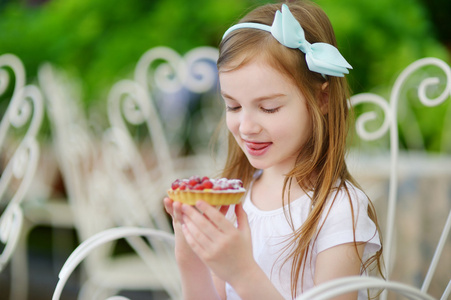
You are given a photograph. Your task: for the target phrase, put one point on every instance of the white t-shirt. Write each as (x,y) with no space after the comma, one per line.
(270,230)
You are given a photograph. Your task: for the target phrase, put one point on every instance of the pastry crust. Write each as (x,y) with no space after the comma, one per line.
(216,192)
(212,197)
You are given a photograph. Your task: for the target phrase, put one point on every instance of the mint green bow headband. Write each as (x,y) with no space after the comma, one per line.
(322,58)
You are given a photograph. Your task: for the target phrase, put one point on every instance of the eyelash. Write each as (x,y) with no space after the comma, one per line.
(229,108)
(268,111)
(271,111)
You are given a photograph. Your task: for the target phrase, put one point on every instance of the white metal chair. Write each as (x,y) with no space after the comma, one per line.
(350,284)
(141,170)
(145,170)
(86,247)
(92,197)
(123,179)
(390,169)
(166,82)
(18,134)
(135,188)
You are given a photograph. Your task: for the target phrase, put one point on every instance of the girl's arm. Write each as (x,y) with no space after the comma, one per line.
(227,250)
(197,282)
(339,261)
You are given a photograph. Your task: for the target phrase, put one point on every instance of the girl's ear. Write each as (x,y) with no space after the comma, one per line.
(324,98)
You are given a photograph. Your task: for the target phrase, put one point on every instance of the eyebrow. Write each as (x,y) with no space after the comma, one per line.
(268,97)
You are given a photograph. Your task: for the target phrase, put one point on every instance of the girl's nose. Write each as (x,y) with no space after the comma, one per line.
(248,124)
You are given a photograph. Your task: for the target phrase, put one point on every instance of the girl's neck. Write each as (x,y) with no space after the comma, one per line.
(267,190)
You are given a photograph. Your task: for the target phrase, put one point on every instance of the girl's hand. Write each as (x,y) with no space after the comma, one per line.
(173,208)
(182,249)
(212,241)
(197,282)
(226,249)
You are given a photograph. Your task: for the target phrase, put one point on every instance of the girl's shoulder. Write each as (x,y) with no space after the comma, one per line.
(345,219)
(348,189)
(347,194)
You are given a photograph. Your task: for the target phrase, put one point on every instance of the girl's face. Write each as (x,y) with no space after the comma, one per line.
(267,115)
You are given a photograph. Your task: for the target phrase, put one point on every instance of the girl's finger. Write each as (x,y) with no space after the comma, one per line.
(201,221)
(167,205)
(195,237)
(216,217)
(177,214)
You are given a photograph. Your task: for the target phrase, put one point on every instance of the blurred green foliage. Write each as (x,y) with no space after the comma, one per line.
(100,41)
(380,39)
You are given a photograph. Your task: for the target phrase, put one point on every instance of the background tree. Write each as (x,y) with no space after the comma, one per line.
(101,40)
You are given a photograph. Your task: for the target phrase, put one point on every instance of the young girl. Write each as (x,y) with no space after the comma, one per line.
(303,221)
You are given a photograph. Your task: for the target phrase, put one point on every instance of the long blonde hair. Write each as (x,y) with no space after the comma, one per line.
(324,152)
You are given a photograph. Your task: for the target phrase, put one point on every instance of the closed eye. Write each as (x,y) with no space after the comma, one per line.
(232,108)
(270,111)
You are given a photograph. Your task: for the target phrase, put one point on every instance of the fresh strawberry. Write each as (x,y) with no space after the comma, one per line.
(192,182)
(207,184)
(198,187)
(175,184)
(201,183)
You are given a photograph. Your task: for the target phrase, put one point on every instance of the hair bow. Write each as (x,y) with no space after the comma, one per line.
(322,58)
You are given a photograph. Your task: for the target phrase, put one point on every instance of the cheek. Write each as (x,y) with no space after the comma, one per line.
(232,123)
(293,129)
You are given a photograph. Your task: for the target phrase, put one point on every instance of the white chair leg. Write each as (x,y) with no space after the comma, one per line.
(19,266)
(86,291)
(447,292)
(90,291)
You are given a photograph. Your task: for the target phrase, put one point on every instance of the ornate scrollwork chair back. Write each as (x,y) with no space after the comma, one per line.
(99,194)
(18,135)
(20,154)
(392,167)
(145,166)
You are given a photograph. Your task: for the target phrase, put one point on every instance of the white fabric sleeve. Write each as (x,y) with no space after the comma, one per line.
(338,228)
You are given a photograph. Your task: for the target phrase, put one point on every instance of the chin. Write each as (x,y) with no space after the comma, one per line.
(258,164)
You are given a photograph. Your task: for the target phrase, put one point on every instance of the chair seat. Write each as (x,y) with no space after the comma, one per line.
(54,212)
(130,271)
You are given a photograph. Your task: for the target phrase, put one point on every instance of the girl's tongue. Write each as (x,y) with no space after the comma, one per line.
(257,146)
(257,149)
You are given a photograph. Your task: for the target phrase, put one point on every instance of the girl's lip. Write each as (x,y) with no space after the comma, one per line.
(257,148)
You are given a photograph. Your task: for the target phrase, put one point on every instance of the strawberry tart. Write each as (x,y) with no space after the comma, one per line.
(221,191)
